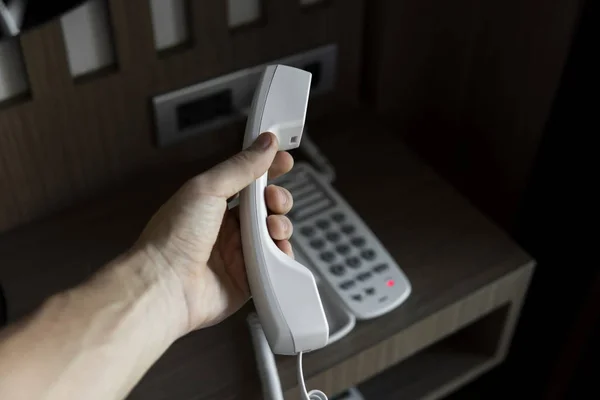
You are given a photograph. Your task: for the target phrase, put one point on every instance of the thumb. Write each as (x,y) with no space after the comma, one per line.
(234,174)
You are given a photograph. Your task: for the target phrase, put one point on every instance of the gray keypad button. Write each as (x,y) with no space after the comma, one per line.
(307,231)
(327,256)
(358,241)
(381,268)
(353,262)
(343,249)
(364,276)
(347,285)
(333,236)
(356,297)
(348,229)
(370,291)
(323,224)
(337,270)
(368,254)
(338,217)
(317,244)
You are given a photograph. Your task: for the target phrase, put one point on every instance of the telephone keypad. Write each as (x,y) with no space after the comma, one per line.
(339,246)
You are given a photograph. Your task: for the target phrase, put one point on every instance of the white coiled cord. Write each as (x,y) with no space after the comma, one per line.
(267,368)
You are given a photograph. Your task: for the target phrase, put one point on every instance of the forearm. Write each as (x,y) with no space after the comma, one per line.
(94,341)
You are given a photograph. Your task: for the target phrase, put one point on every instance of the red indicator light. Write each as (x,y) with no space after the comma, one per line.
(390,282)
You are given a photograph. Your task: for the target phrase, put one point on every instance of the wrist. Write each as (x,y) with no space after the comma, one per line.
(140,282)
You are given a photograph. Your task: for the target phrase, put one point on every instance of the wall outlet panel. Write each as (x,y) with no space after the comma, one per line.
(225,99)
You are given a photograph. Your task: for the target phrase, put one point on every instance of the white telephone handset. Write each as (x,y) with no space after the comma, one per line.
(284,291)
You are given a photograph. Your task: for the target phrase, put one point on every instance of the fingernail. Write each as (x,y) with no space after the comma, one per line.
(284,225)
(283,197)
(264,141)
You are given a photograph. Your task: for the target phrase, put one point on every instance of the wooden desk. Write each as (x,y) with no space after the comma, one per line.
(461,267)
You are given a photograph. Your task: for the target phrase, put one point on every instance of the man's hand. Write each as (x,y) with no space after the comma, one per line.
(185,272)
(195,241)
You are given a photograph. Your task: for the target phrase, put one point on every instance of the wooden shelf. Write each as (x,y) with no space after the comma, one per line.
(461,267)
(469,351)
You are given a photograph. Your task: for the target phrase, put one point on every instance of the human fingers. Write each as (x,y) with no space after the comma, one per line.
(282,164)
(285,246)
(280,227)
(279,200)
(237,172)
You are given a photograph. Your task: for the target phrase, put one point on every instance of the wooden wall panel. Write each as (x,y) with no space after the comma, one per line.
(470,84)
(72,139)
(45,59)
(132,31)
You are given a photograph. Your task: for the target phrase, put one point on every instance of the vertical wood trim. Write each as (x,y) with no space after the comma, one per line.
(210,33)
(282,13)
(45,59)
(13,173)
(283,19)
(131,24)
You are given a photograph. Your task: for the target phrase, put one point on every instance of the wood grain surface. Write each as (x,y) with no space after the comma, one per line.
(427,368)
(470,83)
(73,138)
(447,248)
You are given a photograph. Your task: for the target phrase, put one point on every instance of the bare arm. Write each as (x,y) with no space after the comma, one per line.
(94,341)
(186,272)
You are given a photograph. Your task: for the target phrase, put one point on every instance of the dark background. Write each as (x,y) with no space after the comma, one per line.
(555,349)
